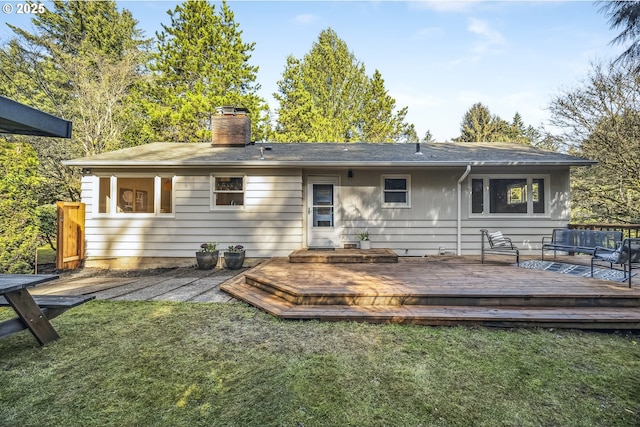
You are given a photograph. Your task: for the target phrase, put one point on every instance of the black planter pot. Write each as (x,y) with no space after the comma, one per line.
(234,260)
(207,260)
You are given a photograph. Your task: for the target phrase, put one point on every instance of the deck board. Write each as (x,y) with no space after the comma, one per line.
(344,256)
(438,291)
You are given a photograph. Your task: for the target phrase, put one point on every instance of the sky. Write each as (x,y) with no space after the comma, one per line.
(436,58)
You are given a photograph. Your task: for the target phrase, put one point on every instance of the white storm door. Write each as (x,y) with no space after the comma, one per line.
(322,200)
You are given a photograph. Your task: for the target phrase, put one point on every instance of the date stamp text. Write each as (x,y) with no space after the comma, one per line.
(23,8)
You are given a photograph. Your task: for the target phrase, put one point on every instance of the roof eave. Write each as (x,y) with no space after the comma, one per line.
(271,163)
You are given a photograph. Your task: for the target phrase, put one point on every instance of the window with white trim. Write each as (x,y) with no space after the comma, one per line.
(506,195)
(228,191)
(135,195)
(396,191)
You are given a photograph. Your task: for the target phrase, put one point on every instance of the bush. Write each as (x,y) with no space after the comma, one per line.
(18,218)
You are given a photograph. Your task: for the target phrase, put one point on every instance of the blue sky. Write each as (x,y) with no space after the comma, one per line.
(437,58)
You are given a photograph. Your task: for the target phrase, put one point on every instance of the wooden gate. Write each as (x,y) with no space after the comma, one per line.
(70,246)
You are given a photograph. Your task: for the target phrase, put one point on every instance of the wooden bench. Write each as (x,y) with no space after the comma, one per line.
(626,255)
(50,305)
(498,245)
(580,241)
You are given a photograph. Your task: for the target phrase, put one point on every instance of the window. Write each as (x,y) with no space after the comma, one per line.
(508,195)
(477,196)
(323,205)
(228,191)
(396,191)
(135,195)
(537,195)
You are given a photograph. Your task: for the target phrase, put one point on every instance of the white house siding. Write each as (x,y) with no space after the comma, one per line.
(526,232)
(270,224)
(430,224)
(273,221)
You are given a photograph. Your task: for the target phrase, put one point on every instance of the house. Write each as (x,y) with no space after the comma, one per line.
(153,205)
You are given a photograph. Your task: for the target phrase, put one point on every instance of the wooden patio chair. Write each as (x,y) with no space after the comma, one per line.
(497,244)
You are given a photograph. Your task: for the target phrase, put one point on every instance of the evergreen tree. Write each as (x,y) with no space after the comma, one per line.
(428,137)
(42,66)
(408,133)
(201,63)
(379,122)
(517,125)
(523,134)
(80,63)
(625,14)
(297,108)
(478,125)
(18,216)
(327,97)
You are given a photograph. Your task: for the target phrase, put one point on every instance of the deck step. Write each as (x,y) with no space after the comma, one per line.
(436,315)
(344,256)
(390,297)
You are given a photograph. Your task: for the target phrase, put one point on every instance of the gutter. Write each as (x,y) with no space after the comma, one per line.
(459,234)
(148,164)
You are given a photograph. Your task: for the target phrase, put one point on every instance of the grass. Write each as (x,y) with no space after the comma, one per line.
(185,364)
(46,255)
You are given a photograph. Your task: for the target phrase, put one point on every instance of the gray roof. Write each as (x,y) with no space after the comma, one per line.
(180,155)
(20,119)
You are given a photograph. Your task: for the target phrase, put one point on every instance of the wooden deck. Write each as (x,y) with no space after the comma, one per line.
(345,256)
(439,290)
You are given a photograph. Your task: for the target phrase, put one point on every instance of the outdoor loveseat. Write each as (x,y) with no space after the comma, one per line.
(625,256)
(497,244)
(575,241)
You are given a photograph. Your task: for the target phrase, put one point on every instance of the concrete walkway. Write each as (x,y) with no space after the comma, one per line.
(178,284)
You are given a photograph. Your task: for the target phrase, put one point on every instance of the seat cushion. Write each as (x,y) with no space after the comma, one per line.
(497,239)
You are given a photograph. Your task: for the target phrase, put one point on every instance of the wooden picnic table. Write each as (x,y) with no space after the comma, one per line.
(33,313)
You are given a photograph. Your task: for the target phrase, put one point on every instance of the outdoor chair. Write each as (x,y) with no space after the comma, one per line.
(497,244)
(625,255)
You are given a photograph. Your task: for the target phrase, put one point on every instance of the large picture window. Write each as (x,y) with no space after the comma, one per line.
(508,195)
(135,195)
(228,191)
(396,191)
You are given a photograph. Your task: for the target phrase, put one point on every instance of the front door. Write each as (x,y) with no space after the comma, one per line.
(322,212)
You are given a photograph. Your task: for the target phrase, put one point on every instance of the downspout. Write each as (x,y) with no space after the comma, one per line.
(459,237)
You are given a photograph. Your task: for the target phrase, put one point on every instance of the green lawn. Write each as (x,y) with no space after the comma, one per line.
(182,364)
(46,255)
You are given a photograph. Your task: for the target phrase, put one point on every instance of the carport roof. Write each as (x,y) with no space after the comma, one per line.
(20,119)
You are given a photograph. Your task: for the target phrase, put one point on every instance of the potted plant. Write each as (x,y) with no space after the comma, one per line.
(365,243)
(234,257)
(207,256)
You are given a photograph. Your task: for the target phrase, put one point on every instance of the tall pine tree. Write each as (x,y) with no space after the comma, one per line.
(379,122)
(201,63)
(297,108)
(327,97)
(479,125)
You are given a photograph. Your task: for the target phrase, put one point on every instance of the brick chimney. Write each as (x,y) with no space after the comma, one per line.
(230,127)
